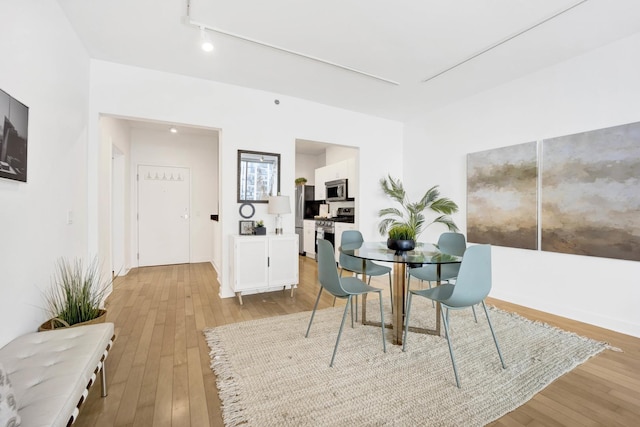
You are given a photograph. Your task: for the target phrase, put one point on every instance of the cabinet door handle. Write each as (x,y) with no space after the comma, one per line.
(268,261)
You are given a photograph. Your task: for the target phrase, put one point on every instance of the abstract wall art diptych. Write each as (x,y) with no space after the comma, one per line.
(591,193)
(502,196)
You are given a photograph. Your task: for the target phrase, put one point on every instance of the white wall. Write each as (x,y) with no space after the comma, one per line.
(45,67)
(199,153)
(115,225)
(596,90)
(306,165)
(335,153)
(247,119)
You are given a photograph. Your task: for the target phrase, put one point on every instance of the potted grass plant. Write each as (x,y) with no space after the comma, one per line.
(260,229)
(409,220)
(401,238)
(76,295)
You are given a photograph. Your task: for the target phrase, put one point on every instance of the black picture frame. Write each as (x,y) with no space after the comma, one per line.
(14,119)
(245,228)
(258,176)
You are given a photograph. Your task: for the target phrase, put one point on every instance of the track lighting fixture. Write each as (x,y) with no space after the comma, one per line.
(205,40)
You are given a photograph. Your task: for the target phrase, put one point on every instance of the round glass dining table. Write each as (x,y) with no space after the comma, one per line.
(423,253)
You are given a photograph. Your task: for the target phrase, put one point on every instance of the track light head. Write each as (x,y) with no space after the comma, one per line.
(205,41)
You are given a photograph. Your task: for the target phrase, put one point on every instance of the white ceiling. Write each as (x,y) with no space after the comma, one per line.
(403,41)
(166,127)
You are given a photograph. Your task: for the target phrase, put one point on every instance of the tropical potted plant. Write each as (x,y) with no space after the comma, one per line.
(409,221)
(259,229)
(76,294)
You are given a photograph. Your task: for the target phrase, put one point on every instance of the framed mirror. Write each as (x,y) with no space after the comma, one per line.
(258,176)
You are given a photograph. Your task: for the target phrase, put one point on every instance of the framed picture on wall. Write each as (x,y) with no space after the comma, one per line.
(14,120)
(246,227)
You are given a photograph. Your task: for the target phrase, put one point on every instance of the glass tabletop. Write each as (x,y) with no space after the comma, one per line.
(424,253)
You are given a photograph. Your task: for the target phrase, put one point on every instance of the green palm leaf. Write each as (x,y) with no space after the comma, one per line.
(411,216)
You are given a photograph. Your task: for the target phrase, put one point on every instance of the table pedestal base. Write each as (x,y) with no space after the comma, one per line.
(399,295)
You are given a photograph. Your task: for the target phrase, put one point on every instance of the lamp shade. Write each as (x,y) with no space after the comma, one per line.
(279,205)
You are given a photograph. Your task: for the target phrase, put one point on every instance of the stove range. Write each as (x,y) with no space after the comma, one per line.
(342,215)
(326,229)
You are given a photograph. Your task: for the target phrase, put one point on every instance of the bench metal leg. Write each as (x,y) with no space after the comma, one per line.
(103,378)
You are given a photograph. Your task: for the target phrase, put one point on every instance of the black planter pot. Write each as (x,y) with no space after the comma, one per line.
(401,245)
(260,231)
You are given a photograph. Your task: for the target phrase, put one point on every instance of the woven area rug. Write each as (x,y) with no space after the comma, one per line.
(269,374)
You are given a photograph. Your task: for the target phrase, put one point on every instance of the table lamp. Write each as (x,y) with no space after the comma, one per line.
(279,205)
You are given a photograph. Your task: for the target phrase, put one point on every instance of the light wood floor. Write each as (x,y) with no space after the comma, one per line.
(158,370)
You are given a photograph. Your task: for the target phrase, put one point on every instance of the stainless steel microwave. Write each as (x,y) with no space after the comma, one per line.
(336,190)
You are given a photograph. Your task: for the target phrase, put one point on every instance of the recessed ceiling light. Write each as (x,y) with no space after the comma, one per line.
(173,130)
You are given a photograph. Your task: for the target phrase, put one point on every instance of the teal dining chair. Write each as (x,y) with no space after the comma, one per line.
(340,287)
(448,243)
(354,265)
(472,286)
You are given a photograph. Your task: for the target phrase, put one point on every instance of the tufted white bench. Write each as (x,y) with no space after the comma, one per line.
(51,372)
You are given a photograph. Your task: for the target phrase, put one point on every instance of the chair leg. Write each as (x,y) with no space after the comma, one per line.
(356,310)
(384,344)
(344,316)
(391,292)
(352,310)
(313,313)
(473,308)
(446,332)
(406,323)
(494,335)
(334,298)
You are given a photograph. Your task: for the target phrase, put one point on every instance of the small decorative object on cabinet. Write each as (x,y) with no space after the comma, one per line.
(246,227)
(263,263)
(260,229)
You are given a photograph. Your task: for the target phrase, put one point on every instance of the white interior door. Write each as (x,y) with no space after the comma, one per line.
(163,215)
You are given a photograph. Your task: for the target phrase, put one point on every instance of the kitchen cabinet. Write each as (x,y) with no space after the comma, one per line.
(309,238)
(340,227)
(328,173)
(320,177)
(263,263)
(352,176)
(345,169)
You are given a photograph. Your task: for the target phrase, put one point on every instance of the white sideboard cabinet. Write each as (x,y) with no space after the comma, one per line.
(263,263)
